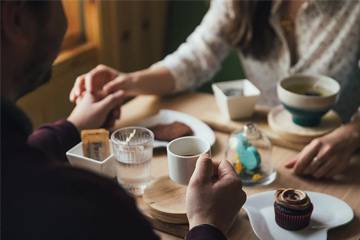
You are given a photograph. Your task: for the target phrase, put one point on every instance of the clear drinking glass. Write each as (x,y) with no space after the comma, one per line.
(133,150)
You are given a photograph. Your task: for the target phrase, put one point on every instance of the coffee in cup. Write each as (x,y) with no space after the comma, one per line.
(182,154)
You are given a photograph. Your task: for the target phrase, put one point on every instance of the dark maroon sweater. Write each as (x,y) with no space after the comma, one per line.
(43,197)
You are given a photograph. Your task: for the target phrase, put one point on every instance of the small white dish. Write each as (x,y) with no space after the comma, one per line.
(240,104)
(329,212)
(77,159)
(199,128)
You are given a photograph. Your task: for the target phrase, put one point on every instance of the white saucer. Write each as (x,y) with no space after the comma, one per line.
(329,212)
(199,128)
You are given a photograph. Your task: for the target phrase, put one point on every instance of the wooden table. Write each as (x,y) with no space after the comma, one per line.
(347,187)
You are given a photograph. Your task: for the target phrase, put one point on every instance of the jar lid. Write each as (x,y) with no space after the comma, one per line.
(251,131)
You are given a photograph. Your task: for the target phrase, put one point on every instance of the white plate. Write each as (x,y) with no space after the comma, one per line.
(329,212)
(199,128)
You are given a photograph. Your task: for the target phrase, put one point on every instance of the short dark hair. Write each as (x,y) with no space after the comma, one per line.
(38,6)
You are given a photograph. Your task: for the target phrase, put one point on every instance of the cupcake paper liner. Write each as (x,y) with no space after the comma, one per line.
(292,219)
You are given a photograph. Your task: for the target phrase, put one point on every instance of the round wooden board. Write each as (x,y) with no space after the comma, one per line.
(166,200)
(281,123)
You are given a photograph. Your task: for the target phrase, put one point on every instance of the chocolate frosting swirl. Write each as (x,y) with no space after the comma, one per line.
(292,198)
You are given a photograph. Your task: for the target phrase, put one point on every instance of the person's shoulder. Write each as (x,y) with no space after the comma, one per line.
(63,202)
(332,7)
(222,6)
(78,193)
(68,178)
(221,15)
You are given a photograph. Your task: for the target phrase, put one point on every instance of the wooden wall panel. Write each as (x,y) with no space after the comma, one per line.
(137,33)
(127,35)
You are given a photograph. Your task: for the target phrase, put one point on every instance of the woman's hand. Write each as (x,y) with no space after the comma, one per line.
(329,155)
(104,80)
(93,82)
(214,195)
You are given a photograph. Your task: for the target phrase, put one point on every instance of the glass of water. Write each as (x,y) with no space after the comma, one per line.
(133,150)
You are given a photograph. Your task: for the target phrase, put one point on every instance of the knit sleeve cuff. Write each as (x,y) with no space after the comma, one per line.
(205,232)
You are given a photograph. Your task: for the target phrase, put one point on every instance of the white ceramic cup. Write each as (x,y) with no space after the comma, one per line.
(182,154)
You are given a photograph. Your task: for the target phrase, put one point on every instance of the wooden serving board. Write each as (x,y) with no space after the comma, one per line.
(179,230)
(281,122)
(166,200)
(202,106)
(210,114)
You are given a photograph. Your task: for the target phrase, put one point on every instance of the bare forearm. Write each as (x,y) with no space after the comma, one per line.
(355,126)
(157,81)
(352,131)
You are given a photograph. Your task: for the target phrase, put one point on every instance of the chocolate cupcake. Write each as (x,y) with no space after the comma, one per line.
(293,209)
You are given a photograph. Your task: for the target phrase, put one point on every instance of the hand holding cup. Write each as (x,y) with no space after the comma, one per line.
(214,195)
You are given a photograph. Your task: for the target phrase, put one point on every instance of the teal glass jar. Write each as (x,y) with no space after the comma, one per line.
(249,150)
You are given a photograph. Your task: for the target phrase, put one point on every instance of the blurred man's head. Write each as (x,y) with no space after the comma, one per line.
(31,36)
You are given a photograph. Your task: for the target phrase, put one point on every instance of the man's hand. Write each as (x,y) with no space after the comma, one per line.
(94,112)
(214,195)
(329,155)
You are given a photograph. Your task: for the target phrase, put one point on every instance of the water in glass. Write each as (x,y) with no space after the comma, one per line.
(133,149)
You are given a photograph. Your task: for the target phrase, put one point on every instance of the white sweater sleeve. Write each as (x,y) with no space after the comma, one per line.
(200,57)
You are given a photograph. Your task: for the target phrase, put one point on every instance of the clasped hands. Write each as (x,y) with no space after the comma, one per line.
(98,104)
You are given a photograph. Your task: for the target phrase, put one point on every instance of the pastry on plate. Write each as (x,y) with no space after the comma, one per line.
(293,209)
(171,131)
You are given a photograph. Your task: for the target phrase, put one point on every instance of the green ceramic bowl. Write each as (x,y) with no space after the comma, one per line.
(308,97)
